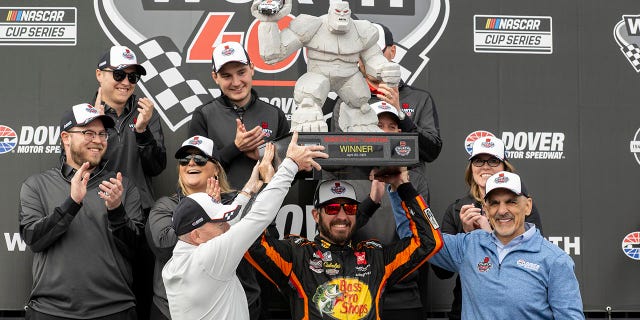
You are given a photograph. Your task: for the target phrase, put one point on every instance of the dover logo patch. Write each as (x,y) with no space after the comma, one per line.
(177,56)
(343,298)
(626,33)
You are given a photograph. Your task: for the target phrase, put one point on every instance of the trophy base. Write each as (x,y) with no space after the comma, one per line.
(353,155)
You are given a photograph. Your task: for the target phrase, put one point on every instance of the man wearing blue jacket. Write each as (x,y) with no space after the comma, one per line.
(511,271)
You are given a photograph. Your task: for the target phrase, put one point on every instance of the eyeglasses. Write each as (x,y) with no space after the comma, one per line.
(200,160)
(89,135)
(118,75)
(492,162)
(334,208)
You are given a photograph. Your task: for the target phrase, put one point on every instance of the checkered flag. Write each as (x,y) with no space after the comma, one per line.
(632,52)
(177,97)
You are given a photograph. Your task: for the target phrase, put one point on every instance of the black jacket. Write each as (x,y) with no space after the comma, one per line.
(217,121)
(139,156)
(82,252)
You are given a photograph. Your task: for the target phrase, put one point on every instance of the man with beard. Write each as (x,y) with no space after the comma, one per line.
(82,223)
(334,277)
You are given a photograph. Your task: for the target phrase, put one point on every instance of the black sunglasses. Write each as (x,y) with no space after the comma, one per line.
(198,159)
(119,75)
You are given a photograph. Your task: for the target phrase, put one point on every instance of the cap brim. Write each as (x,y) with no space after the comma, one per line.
(139,68)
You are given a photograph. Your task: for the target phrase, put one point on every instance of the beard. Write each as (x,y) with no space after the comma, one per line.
(335,237)
(79,155)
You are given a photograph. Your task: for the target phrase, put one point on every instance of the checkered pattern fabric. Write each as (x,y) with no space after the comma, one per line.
(632,52)
(177,97)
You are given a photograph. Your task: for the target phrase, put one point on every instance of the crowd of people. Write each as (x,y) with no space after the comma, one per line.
(105,247)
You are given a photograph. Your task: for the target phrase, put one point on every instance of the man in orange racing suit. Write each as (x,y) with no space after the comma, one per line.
(333,278)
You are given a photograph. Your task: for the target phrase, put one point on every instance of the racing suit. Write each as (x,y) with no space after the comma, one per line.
(328,281)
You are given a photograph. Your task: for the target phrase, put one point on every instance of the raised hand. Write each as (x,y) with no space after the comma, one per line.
(304,156)
(213,188)
(266,164)
(79,183)
(248,141)
(145,107)
(98,104)
(111,192)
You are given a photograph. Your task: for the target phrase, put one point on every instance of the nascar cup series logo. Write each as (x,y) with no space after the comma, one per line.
(38,26)
(627,35)
(512,34)
(343,298)
(30,140)
(178,56)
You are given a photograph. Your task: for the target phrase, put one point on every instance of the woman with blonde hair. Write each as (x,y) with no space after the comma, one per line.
(199,170)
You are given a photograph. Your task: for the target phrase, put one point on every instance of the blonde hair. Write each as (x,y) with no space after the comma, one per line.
(225,187)
(474,189)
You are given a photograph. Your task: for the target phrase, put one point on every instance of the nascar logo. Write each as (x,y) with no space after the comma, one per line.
(513,34)
(35,15)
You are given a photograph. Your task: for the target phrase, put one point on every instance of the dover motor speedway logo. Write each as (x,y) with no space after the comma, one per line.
(525,145)
(634,146)
(627,35)
(631,245)
(177,52)
(512,34)
(34,140)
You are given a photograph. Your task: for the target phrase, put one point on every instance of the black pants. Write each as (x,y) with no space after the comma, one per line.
(129,314)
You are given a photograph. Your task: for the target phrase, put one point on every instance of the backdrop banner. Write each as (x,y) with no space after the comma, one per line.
(556,80)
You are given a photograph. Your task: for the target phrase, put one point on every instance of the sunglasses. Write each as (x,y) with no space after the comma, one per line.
(119,75)
(198,159)
(334,208)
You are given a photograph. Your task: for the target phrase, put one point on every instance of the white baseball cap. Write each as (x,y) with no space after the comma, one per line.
(120,57)
(488,145)
(504,180)
(81,115)
(332,189)
(228,52)
(382,106)
(201,143)
(198,209)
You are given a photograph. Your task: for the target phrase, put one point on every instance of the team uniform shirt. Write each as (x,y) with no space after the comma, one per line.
(217,121)
(201,281)
(138,156)
(329,281)
(534,280)
(82,252)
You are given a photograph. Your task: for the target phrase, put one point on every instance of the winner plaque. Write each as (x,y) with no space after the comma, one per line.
(352,155)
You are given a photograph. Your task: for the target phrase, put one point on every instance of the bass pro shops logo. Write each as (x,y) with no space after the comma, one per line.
(177,53)
(627,35)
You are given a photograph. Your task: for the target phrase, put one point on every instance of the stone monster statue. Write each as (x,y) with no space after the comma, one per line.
(335,43)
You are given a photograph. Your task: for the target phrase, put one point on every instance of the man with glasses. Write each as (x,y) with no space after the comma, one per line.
(136,147)
(82,222)
(332,274)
